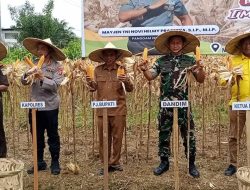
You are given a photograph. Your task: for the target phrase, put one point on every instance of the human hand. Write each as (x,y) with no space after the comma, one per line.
(32,70)
(39,74)
(122,77)
(88,79)
(143,65)
(157,4)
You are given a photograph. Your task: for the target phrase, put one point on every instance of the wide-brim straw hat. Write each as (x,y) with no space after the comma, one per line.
(232,47)
(97,55)
(3,51)
(31,44)
(191,42)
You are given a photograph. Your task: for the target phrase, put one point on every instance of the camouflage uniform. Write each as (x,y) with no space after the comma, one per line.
(169,67)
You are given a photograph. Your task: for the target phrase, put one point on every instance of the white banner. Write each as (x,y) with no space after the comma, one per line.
(103,104)
(174,104)
(241,106)
(155,31)
(32,105)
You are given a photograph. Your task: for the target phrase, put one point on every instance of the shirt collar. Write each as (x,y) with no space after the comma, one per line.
(244,57)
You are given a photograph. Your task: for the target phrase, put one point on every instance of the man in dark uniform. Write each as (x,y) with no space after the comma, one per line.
(174,45)
(44,88)
(151,13)
(3,87)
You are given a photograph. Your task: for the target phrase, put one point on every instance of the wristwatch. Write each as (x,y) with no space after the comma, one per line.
(147,7)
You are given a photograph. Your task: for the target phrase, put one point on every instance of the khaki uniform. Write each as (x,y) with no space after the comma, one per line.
(109,88)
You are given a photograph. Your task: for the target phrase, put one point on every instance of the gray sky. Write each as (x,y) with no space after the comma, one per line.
(67,10)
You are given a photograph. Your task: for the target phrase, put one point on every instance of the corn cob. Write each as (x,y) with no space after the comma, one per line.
(29,62)
(120,71)
(90,71)
(145,54)
(198,53)
(40,62)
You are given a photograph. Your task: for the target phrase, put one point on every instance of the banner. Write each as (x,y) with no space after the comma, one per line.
(134,24)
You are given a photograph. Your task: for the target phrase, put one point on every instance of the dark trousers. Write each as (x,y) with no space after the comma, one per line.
(47,120)
(3,147)
(165,119)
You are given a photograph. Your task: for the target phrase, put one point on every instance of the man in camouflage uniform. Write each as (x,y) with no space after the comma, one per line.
(174,44)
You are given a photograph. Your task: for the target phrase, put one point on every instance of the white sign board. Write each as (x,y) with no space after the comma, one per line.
(241,106)
(174,104)
(32,105)
(103,104)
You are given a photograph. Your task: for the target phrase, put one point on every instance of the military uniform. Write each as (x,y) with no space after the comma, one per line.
(170,67)
(47,118)
(162,16)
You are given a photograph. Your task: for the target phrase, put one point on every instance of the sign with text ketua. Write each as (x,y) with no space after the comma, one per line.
(241,106)
(103,104)
(32,105)
(174,104)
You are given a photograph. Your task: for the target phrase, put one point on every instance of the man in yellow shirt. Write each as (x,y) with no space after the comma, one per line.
(239,47)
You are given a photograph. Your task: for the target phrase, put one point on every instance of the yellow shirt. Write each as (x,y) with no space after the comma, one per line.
(244,83)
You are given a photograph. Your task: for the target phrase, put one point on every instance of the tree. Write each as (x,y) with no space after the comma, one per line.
(41,25)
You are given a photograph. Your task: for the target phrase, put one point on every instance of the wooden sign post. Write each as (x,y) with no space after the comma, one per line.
(237,106)
(175,105)
(105,105)
(34,106)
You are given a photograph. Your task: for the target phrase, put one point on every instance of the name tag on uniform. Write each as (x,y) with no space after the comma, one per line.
(174,104)
(32,105)
(103,104)
(241,106)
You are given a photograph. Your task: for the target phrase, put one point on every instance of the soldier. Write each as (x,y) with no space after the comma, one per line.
(44,88)
(109,86)
(3,87)
(174,45)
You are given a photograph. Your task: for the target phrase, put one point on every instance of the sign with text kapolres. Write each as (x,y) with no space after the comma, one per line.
(134,24)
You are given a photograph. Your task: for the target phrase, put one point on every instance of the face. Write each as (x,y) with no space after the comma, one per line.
(109,56)
(42,49)
(245,47)
(175,45)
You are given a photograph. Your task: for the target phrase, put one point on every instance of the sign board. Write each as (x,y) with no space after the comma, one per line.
(32,105)
(103,104)
(174,104)
(241,106)
(214,22)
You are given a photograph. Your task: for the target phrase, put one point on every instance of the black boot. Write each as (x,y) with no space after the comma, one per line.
(41,166)
(55,166)
(193,171)
(192,168)
(230,170)
(163,167)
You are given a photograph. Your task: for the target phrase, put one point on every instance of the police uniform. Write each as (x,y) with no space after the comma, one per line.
(47,118)
(162,16)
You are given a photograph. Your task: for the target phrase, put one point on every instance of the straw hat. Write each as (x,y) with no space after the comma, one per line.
(31,45)
(97,56)
(232,47)
(189,45)
(3,51)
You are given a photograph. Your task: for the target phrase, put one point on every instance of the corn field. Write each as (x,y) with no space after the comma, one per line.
(78,128)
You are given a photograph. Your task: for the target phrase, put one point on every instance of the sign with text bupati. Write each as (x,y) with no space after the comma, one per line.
(213,22)
(103,104)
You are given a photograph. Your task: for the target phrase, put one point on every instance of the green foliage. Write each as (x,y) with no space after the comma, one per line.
(73,49)
(14,54)
(41,26)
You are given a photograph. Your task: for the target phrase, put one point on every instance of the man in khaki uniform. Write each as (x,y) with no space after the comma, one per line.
(111,87)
